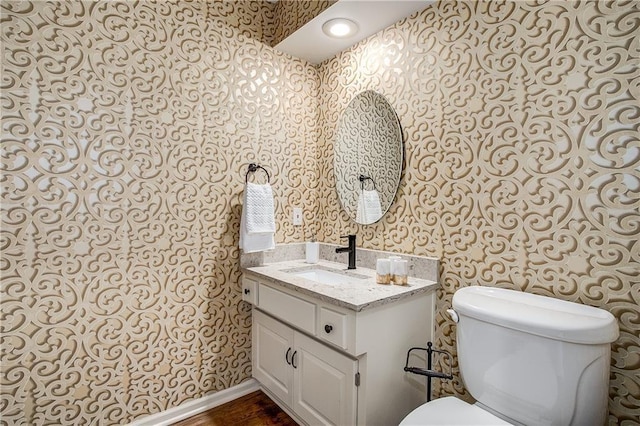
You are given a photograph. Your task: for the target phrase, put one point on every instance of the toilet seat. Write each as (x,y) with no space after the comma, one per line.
(451,411)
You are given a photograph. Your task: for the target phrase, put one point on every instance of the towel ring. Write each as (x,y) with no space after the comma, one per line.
(252,168)
(362,178)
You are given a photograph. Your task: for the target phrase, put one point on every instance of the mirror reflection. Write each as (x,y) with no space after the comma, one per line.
(368,157)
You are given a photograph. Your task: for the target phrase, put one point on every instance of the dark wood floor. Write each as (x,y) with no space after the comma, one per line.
(254,409)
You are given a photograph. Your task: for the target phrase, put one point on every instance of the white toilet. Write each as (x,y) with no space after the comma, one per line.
(526,359)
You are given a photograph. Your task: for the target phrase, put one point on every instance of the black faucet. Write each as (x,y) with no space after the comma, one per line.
(351,249)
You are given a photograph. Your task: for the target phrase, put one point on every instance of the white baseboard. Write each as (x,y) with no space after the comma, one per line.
(191,408)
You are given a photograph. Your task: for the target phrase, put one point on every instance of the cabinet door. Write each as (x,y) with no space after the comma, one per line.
(325,390)
(271,353)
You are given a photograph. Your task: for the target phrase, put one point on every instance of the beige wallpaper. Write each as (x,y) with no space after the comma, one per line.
(127,128)
(522,126)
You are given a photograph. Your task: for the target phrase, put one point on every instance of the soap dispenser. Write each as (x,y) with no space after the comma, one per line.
(312,251)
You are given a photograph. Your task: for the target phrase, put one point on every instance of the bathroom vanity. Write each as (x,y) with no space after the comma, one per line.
(329,345)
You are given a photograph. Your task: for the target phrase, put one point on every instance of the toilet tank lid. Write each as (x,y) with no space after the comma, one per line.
(540,315)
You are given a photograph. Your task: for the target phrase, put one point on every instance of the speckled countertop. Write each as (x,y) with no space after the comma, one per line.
(356,294)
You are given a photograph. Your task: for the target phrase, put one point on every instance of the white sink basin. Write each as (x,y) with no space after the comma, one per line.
(326,277)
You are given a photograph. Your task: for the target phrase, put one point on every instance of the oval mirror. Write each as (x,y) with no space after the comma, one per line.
(368,157)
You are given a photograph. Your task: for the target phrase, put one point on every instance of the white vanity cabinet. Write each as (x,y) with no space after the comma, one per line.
(330,365)
(316,382)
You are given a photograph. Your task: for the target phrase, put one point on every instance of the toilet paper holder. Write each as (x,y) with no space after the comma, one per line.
(429,372)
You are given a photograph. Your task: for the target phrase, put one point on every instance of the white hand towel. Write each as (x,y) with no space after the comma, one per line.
(257,210)
(369,208)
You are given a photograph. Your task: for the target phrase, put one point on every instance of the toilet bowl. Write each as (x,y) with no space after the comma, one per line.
(451,411)
(527,360)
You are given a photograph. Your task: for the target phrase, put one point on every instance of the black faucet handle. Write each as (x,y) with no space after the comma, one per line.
(351,249)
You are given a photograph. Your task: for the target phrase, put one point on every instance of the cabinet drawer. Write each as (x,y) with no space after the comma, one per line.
(250,290)
(291,309)
(333,327)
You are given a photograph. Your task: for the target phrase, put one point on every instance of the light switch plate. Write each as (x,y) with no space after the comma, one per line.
(297,216)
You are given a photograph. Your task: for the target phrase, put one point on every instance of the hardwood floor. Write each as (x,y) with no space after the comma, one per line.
(254,409)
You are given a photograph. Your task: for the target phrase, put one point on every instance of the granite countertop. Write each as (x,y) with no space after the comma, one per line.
(359,293)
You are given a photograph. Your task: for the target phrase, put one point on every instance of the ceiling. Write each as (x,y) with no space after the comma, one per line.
(310,42)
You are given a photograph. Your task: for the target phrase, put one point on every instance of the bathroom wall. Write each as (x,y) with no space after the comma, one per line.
(521,128)
(127,128)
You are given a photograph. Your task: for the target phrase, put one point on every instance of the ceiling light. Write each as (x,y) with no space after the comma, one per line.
(340,28)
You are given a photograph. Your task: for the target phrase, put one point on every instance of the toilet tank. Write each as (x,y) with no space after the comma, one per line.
(534,359)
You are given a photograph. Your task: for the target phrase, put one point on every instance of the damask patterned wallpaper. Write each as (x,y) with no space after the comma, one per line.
(522,126)
(126,131)
(127,128)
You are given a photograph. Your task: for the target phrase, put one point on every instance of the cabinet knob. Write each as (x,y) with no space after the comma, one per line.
(247,291)
(328,328)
